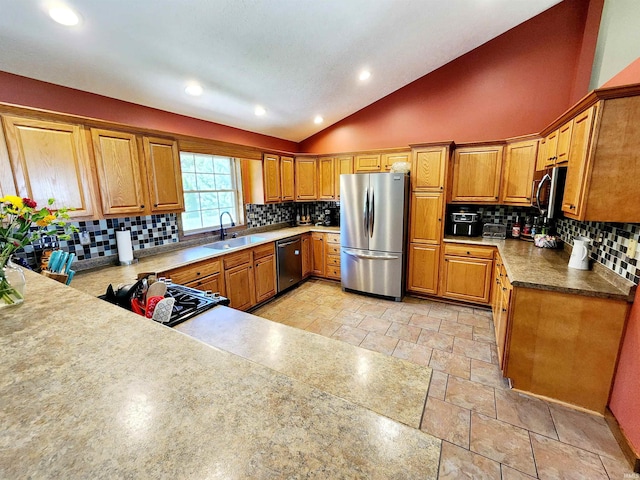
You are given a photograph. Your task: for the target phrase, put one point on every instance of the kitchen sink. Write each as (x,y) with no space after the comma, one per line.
(234,242)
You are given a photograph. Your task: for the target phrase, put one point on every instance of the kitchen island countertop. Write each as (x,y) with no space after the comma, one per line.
(93,391)
(547,269)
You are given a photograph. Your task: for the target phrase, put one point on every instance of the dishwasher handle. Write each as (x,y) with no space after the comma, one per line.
(281,245)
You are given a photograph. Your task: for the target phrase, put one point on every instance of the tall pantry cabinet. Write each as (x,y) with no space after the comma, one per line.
(426,223)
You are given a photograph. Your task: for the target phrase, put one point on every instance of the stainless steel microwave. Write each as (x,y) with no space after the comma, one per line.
(547,193)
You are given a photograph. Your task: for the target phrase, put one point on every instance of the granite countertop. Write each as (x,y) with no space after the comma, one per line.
(91,390)
(95,282)
(548,269)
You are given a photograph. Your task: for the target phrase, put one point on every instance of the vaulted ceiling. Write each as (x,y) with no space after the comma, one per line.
(295,58)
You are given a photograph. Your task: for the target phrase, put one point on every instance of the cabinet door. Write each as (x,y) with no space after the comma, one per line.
(306,179)
(367,163)
(271,172)
(476,174)
(426,217)
(552,149)
(118,166)
(344,164)
(424,263)
(7,183)
(467,278)
(428,169)
(317,254)
(564,143)
(50,160)
(163,175)
(306,255)
(502,321)
(517,174)
(239,282)
(542,155)
(326,178)
(389,159)
(287,179)
(265,277)
(213,283)
(576,170)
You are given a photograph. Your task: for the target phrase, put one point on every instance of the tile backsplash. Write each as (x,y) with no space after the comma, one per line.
(146,232)
(263,215)
(609,243)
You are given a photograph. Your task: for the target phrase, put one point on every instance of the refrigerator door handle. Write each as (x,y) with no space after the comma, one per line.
(372,214)
(365,213)
(370,257)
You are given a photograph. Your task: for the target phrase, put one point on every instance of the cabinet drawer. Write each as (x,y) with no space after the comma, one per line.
(264,250)
(333,238)
(333,272)
(333,249)
(235,259)
(192,272)
(468,251)
(333,260)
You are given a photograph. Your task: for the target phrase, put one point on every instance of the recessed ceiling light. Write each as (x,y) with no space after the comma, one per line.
(318,120)
(260,111)
(193,89)
(64,15)
(364,75)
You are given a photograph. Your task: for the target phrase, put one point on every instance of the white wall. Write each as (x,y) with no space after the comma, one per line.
(618,40)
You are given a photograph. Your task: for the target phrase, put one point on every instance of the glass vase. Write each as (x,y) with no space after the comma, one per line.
(12,285)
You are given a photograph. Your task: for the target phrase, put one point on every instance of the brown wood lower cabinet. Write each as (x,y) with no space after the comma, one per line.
(317,254)
(204,275)
(250,276)
(332,255)
(564,346)
(467,272)
(306,254)
(423,268)
(265,277)
(501,307)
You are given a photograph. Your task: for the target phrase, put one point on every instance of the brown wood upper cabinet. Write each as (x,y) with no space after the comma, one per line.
(271,172)
(326,178)
(388,159)
(164,176)
(119,172)
(268,181)
(344,164)
(518,172)
(428,168)
(287,179)
(476,174)
(367,163)
(426,217)
(51,160)
(306,178)
(604,163)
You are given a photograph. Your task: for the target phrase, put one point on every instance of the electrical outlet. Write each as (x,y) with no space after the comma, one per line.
(631,249)
(85,239)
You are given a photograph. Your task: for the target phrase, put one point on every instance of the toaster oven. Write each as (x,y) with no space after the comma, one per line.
(466,224)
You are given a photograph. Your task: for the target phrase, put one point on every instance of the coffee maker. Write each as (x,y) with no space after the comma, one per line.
(331,217)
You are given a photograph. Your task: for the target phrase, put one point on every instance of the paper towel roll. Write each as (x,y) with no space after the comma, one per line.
(125,249)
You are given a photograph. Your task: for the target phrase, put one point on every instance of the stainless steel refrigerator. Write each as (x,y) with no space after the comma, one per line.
(373,229)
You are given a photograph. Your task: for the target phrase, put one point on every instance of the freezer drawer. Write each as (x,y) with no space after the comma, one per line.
(378,273)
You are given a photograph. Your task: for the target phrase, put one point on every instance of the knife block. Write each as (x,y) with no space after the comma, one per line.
(58,277)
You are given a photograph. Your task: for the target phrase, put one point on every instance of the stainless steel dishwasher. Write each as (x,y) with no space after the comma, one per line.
(289,256)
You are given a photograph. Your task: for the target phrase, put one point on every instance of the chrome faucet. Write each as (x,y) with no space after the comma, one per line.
(233,224)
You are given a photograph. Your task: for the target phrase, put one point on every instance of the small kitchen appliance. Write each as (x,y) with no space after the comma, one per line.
(466,224)
(580,254)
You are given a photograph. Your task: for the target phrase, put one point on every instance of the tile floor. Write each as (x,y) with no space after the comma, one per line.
(488,430)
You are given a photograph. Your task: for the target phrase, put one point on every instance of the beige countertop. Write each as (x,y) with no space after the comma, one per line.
(95,282)
(548,269)
(90,390)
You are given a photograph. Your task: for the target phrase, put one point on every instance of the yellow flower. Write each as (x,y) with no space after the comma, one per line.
(46,220)
(14,200)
